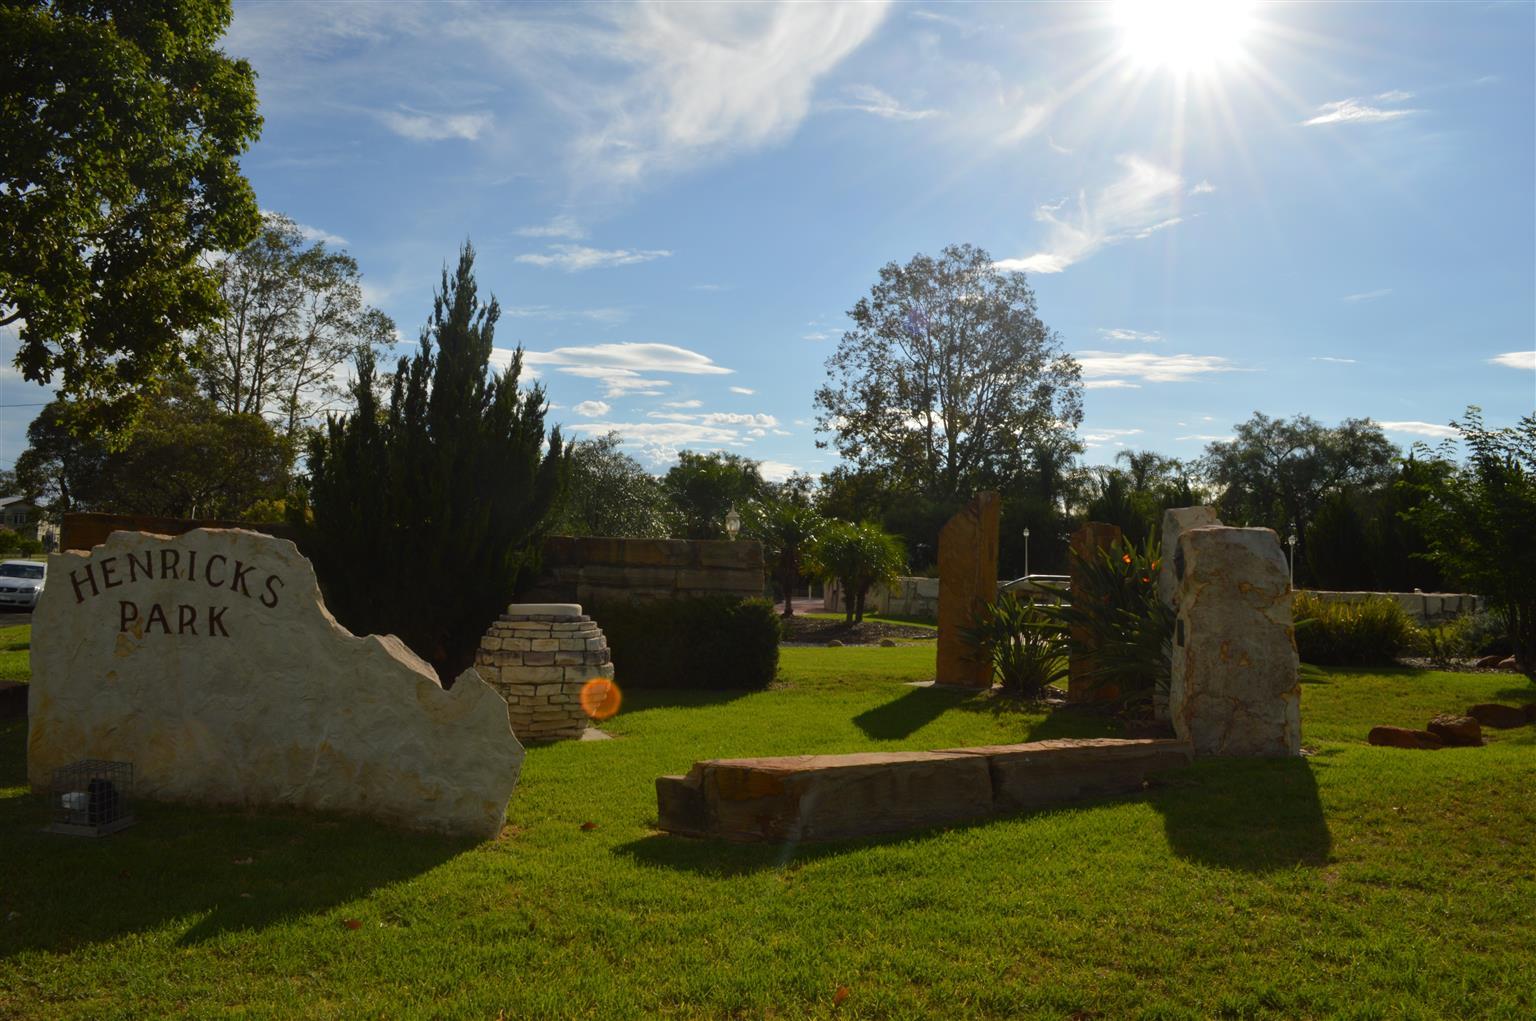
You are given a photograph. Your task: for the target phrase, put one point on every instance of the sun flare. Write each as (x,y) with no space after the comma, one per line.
(1184,36)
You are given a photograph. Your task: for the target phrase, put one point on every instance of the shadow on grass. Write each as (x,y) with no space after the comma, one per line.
(909,712)
(221,870)
(1257,815)
(636,699)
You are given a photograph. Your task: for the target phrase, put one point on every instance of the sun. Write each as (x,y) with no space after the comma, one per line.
(1184,36)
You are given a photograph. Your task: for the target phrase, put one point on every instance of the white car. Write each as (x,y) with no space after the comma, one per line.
(21,582)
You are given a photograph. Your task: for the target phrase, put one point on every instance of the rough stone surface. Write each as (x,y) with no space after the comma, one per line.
(1490,662)
(210,662)
(599,571)
(836,797)
(1457,731)
(1402,737)
(1235,687)
(1508,663)
(538,657)
(1499,717)
(1177,521)
(1086,543)
(967,581)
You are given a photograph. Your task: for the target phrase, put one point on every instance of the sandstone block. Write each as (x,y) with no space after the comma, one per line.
(1402,737)
(1235,687)
(490,643)
(1499,717)
(1176,521)
(1457,731)
(538,658)
(1086,544)
(545,644)
(967,581)
(209,661)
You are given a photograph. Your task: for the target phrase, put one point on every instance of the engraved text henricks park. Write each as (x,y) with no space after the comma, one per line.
(216,571)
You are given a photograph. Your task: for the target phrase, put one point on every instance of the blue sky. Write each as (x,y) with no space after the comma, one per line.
(1334,214)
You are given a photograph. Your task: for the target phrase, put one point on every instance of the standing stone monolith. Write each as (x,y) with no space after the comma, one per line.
(967,582)
(1235,688)
(1176,521)
(1086,544)
(210,663)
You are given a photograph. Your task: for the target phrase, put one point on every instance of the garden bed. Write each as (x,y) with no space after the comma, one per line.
(803,630)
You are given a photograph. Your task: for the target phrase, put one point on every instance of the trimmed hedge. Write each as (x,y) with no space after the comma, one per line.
(1368,633)
(715,642)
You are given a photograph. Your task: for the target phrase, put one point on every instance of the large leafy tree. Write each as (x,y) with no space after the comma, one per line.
(428,508)
(947,377)
(1478,518)
(1277,473)
(704,487)
(294,314)
(610,493)
(858,557)
(120,124)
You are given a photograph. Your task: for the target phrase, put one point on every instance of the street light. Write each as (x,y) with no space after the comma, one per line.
(1291,542)
(1026,552)
(732,522)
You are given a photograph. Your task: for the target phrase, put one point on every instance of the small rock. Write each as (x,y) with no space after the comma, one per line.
(834,644)
(1457,731)
(887,643)
(1507,664)
(1499,717)
(1402,737)
(1489,662)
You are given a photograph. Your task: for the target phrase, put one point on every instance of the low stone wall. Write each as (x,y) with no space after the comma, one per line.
(538,657)
(839,797)
(909,597)
(594,571)
(1424,607)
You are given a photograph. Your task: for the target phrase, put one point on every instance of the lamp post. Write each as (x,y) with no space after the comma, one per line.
(1026,552)
(1291,542)
(732,523)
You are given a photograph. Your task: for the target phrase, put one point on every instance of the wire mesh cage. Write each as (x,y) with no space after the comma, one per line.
(92,797)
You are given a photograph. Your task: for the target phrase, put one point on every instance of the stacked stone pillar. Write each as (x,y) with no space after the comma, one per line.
(537,656)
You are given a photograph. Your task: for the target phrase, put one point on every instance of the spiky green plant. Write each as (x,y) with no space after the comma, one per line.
(1024,643)
(1118,623)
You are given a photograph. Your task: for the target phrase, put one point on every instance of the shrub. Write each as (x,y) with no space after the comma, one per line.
(1026,645)
(12,543)
(1118,621)
(1443,644)
(1367,633)
(858,557)
(715,642)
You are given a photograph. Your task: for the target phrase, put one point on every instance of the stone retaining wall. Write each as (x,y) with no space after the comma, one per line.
(596,571)
(538,662)
(838,797)
(1423,607)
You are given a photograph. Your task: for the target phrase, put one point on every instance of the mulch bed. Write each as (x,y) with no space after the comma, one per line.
(809,631)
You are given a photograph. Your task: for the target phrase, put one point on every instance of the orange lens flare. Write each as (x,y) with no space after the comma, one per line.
(600,698)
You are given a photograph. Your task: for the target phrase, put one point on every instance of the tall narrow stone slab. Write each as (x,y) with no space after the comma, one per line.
(1235,687)
(1086,543)
(209,662)
(1176,521)
(967,581)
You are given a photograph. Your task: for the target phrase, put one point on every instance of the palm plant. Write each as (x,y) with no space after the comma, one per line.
(1025,643)
(858,557)
(788,531)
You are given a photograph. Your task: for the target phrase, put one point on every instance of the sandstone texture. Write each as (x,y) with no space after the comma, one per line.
(1402,737)
(1235,688)
(1177,521)
(967,582)
(538,656)
(1457,731)
(838,797)
(598,571)
(1086,543)
(1499,717)
(209,662)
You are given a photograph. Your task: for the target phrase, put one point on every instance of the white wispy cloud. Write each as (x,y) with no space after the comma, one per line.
(743,390)
(592,409)
(1368,295)
(623,369)
(1142,201)
(606,316)
(435,127)
(559,227)
(1098,435)
(1358,111)
(683,404)
(1112,368)
(1110,384)
(1203,188)
(1336,361)
(1128,336)
(776,471)
(1516,360)
(1208,437)
(1430,429)
(575,258)
(818,336)
(870,100)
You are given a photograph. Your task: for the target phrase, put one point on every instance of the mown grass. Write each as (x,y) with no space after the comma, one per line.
(1359,882)
(879,618)
(15,643)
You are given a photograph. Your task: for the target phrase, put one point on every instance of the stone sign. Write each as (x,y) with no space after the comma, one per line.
(1235,687)
(210,662)
(967,581)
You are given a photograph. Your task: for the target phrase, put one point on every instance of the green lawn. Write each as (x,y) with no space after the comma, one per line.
(14,643)
(1359,883)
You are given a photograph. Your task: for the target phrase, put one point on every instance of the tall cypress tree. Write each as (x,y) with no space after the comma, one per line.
(425,511)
